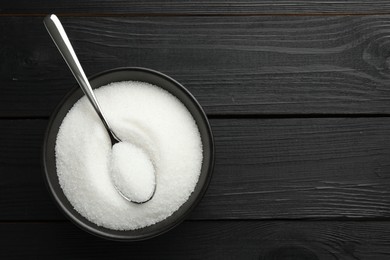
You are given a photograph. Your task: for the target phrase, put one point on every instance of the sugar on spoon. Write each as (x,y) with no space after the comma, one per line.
(132,172)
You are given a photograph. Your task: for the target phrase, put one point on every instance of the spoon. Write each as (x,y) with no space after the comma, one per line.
(61,40)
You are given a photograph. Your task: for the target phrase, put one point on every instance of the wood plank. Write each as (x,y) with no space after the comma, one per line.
(233,65)
(21,174)
(195,7)
(265,169)
(207,240)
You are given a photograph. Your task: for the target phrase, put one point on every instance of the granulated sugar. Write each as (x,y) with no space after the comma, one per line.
(143,115)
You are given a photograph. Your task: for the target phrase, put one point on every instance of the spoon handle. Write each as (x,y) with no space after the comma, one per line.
(61,40)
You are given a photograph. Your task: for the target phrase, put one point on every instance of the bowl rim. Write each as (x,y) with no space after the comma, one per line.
(87,227)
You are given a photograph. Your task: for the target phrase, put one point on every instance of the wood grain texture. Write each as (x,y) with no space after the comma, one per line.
(265,169)
(206,240)
(233,65)
(195,7)
(21,173)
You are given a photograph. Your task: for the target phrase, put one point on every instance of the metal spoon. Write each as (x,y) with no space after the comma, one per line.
(61,40)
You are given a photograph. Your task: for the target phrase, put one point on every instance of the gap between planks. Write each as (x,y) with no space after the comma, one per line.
(337,219)
(187,14)
(244,116)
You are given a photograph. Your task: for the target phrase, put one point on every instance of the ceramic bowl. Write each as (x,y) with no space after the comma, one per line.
(104,78)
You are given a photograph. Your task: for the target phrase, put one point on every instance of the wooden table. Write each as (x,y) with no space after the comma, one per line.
(298,95)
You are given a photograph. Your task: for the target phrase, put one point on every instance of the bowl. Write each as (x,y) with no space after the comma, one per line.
(104,78)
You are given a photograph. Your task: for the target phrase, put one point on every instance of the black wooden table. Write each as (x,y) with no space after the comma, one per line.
(298,95)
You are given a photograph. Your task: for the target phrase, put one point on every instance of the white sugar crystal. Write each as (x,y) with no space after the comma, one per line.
(147,117)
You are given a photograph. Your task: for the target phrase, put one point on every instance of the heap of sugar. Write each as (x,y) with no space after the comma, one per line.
(147,117)
(132,172)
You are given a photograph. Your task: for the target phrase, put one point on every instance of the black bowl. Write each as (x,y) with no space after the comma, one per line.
(104,78)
